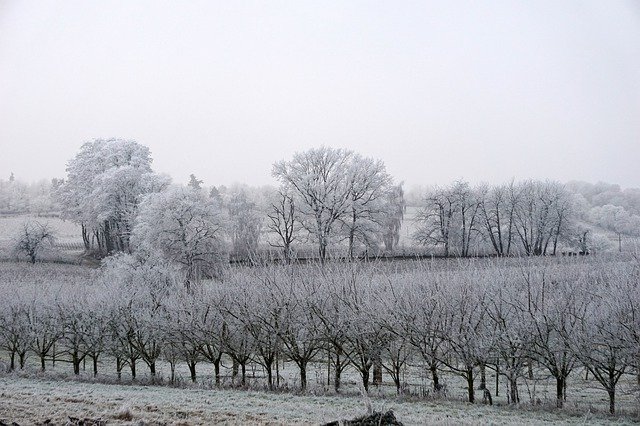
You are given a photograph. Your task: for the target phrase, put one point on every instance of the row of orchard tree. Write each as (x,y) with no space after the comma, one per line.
(547,317)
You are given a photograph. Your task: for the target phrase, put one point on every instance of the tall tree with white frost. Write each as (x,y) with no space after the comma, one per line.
(369,184)
(336,190)
(319,179)
(183,227)
(105,182)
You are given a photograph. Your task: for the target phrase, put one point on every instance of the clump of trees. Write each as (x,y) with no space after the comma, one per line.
(328,196)
(530,218)
(105,184)
(337,195)
(617,220)
(18,197)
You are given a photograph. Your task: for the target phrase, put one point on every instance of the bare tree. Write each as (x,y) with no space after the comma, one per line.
(369,185)
(318,178)
(496,216)
(34,239)
(337,193)
(283,222)
(449,218)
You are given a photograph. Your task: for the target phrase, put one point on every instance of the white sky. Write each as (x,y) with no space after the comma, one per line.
(485,91)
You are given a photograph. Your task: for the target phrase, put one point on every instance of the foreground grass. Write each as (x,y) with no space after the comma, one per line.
(36,400)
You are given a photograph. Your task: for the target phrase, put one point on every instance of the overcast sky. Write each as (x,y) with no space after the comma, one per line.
(485,91)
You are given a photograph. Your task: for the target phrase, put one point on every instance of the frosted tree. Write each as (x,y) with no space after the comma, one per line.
(44,329)
(194,182)
(104,185)
(282,221)
(392,216)
(338,194)
(599,340)
(147,283)
(33,239)
(183,227)
(318,178)
(449,219)
(420,314)
(617,220)
(369,185)
(542,214)
(468,336)
(245,222)
(497,216)
(15,337)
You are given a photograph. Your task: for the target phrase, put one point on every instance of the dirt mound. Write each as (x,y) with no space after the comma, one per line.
(374,419)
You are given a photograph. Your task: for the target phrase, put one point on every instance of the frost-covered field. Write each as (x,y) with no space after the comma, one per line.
(67,232)
(33,400)
(68,241)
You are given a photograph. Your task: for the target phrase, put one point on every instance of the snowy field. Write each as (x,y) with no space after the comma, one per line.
(68,243)
(33,400)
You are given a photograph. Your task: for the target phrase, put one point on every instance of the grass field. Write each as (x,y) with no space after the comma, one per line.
(36,400)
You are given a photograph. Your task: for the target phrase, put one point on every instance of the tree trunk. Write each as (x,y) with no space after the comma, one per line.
(396,381)
(76,363)
(22,356)
(42,362)
(365,378)
(513,384)
(303,375)
(192,370)
(470,390)
(119,366)
(234,370)
(435,378)
(612,400)
(560,391)
(337,372)
(95,365)
(267,365)
(497,378)
(620,243)
(483,376)
(152,370)
(377,372)
(132,364)
(216,370)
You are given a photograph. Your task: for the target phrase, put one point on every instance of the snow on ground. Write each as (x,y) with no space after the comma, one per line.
(34,400)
